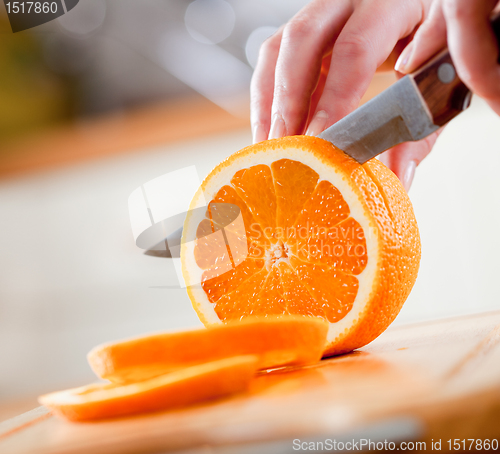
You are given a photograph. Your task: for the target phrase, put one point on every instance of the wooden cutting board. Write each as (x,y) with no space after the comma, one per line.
(427,381)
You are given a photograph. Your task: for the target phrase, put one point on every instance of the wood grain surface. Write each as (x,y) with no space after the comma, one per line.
(434,380)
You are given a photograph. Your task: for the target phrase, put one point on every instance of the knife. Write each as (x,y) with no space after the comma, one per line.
(409,110)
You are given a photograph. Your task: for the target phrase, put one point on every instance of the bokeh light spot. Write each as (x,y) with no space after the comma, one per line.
(210,21)
(85,19)
(255,40)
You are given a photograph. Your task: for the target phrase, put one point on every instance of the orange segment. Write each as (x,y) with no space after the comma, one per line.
(184,387)
(256,240)
(234,305)
(342,246)
(216,285)
(337,239)
(299,299)
(325,209)
(294,183)
(333,290)
(264,288)
(276,341)
(270,300)
(211,248)
(205,227)
(255,186)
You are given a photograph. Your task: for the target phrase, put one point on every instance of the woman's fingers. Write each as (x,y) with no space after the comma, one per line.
(293,82)
(465,26)
(429,39)
(306,39)
(473,46)
(365,42)
(318,91)
(403,159)
(262,87)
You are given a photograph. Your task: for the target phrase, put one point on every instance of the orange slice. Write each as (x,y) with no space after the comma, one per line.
(317,234)
(183,387)
(289,340)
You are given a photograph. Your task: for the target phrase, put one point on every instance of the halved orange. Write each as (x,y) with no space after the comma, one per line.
(276,341)
(184,387)
(318,234)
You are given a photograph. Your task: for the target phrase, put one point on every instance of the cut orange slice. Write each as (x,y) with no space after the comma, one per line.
(184,387)
(277,341)
(317,234)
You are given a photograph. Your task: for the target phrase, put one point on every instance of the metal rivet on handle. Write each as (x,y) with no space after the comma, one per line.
(467,100)
(446,73)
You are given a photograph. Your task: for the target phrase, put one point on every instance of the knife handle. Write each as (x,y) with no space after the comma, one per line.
(443,91)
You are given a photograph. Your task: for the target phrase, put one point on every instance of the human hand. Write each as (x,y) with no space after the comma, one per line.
(465,26)
(316,68)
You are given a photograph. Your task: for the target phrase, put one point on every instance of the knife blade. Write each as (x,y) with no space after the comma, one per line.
(410,110)
(398,114)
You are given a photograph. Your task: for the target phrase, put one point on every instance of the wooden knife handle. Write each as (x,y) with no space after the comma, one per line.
(443,91)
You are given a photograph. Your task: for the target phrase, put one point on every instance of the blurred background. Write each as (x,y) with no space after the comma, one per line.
(118,92)
(108,55)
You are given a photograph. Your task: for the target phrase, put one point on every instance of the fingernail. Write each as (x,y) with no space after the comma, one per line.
(258,133)
(404,58)
(409,174)
(278,128)
(318,123)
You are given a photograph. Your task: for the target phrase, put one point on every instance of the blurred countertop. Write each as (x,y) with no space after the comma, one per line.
(117,133)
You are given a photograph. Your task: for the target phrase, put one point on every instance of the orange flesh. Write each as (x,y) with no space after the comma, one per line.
(304,249)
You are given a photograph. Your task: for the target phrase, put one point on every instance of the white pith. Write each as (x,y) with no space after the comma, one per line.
(192,273)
